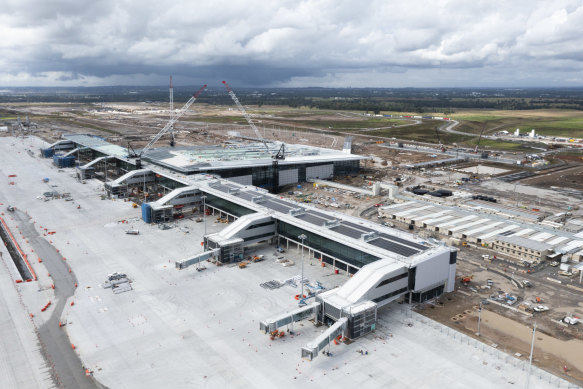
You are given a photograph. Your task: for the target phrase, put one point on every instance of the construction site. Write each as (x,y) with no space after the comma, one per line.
(198,250)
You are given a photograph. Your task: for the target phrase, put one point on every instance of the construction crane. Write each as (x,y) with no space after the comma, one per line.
(244,112)
(441,146)
(479,138)
(167,127)
(172,140)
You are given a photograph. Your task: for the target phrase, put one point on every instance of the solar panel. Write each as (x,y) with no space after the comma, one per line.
(320,215)
(245,196)
(277,207)
(404,241)
(221,187)
(347,231)
(311,219)
(357,226)
(393,247)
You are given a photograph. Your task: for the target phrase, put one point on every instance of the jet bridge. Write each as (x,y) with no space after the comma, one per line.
(184,263)
(302,313)
(311,350)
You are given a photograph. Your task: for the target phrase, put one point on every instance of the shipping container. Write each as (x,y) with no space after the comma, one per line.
(47,153)
(147,213)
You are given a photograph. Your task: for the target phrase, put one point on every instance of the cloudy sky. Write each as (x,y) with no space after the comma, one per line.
(335,43)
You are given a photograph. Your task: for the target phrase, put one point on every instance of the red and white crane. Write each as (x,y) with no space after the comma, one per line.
(172,141)
(167,127)
(244,112)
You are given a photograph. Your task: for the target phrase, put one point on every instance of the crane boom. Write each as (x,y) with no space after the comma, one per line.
(175,118)
(244,112)
(479,139)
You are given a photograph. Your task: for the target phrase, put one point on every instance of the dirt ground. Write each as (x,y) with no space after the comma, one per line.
(571,177)
(556,345)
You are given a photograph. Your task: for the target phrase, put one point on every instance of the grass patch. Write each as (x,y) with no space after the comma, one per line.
(350,125)
(548,122)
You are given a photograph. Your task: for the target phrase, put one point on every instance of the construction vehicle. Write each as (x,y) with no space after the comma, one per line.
(243,265)
(538,299)
(138,156)
(466,279)
(257,258)
(571,320)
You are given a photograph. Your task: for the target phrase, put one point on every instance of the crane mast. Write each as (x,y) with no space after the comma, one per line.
(480,138)
(245,114)
(172,141)
(168,126)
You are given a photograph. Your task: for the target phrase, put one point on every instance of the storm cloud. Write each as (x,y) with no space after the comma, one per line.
(292,43)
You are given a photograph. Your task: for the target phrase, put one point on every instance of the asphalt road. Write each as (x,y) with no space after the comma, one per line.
(68,371)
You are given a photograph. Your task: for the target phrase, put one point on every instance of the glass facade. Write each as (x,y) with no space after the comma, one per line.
(227,206)
(263,176)
(345,168)
(328,246)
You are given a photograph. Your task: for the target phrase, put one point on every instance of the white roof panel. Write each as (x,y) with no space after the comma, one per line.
(523,232)
(409,211)
(438,220)
(457,221)
(541,236)
(557,240)
(483,228)
(468,225)
(498,231)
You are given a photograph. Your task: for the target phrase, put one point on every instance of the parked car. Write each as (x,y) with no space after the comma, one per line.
(554,263)
(564,273)
(540,308)
(527,283)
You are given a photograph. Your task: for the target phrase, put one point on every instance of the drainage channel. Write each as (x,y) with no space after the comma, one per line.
(67,368)
(17,258)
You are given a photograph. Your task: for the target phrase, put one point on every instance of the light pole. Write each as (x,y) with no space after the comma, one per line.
(144,187)
(530,359)
(302,237)
(204,214)
(479,318)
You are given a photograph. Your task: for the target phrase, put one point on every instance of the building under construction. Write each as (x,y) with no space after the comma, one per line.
(269,165)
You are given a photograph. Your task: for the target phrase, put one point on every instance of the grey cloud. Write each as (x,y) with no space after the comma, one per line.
(290,43)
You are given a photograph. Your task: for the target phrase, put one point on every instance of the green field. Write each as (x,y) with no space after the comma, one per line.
(562,123)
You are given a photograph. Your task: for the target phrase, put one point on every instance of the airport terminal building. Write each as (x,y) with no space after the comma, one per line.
(246,163)
(381,264)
